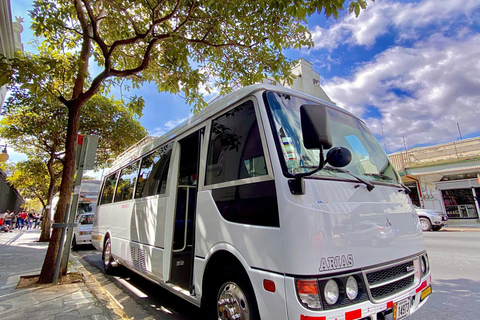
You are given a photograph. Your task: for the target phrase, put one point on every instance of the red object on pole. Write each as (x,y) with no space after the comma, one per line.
(80,139)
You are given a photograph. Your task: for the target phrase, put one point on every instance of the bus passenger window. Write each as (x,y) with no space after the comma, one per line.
(153,173)
(235,150)
(126,182)
(108,189)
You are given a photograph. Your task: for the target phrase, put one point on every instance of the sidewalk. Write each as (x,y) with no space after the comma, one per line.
(21,255)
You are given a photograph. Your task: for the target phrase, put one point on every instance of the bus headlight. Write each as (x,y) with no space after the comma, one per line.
(351,288)
(424,264)
(331,292)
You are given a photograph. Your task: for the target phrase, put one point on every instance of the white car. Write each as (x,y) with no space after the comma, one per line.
(431,220)
(82,232)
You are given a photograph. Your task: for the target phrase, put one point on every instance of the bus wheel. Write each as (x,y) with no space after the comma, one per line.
(109,263)
(232,298)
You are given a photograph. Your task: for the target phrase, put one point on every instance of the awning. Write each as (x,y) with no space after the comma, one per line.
(473,166)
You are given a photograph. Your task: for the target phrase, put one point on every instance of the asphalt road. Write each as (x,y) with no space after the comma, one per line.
(455,264)
(454,259)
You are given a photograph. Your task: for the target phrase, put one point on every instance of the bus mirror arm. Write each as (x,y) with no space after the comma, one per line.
(297,185)
(336,156)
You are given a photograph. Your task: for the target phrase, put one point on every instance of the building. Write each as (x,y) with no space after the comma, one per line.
(306,80)
(10,40)
(444,177)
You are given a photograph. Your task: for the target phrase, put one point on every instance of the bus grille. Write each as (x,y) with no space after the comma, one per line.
(391,280)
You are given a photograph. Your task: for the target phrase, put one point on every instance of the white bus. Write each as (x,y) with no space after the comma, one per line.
(267,204)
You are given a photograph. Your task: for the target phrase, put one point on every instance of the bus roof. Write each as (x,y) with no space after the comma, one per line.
(151,142)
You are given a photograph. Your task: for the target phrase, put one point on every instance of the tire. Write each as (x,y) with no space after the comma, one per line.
(74,243)
(426,224)
(231,295)
(109,264)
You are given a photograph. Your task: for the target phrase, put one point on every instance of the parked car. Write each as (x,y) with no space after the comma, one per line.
(82,232)
(431,219)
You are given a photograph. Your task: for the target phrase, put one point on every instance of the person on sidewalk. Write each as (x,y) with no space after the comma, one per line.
(21,219)
(14,220)
(8,219)
(30,218)
(4,228)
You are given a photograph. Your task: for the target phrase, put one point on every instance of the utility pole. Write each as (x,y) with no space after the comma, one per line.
(459,132)
(85,159)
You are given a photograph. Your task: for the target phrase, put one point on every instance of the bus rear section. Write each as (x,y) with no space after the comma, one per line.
(268,204)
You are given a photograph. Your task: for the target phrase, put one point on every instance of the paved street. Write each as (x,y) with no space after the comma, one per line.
(454,258)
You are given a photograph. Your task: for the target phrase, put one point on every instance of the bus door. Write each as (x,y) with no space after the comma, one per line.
(183,233)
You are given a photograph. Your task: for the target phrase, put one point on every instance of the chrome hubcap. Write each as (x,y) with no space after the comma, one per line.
(232,303)
(106,257)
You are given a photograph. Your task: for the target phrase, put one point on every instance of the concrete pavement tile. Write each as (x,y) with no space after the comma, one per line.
(81,295)
(90,310)
(99,317)
(72,315)
(78,302)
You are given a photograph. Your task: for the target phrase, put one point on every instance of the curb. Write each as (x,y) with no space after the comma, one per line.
(108,302)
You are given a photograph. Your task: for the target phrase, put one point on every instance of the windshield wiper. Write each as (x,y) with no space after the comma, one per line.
(379,175)
(385,177)
(369,185)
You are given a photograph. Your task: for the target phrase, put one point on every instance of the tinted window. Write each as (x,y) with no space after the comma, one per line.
(108,189)
(126,182)
(153,173)
(235,150)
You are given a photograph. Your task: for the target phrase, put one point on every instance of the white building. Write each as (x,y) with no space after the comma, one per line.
(306,80)
(444,177)
(10,40)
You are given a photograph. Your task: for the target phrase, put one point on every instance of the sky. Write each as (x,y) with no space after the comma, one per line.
(410,69)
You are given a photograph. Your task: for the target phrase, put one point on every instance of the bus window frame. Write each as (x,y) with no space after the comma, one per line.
(261,128)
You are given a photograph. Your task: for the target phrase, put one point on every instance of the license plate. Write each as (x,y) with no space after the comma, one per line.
(401,309)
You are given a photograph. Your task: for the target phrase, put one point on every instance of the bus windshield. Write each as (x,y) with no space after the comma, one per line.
(368,158)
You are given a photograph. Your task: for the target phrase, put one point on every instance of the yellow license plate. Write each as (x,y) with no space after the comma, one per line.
(425,293)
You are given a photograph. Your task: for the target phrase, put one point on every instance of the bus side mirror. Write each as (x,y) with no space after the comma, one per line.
(339,157)
(315,129)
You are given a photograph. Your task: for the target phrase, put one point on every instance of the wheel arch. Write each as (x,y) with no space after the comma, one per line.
(221,259)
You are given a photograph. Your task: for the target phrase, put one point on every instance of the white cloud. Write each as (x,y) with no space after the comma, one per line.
(167,126)
(405,18)
(421,92)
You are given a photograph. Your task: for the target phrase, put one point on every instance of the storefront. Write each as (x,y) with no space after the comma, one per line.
(460,198)
(452,188)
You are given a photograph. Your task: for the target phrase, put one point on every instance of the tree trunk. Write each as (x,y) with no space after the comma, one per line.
(47,218)
(46,225)
(48,269)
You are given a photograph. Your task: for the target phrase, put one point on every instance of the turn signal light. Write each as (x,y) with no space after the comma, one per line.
(307,291)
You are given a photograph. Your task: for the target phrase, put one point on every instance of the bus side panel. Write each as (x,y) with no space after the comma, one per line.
(100,226)
(258,245)
(112,216)
(144,259)
(148,222)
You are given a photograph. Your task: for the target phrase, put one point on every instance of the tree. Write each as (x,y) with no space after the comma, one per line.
(177,44)
(30,179)
(38,129)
